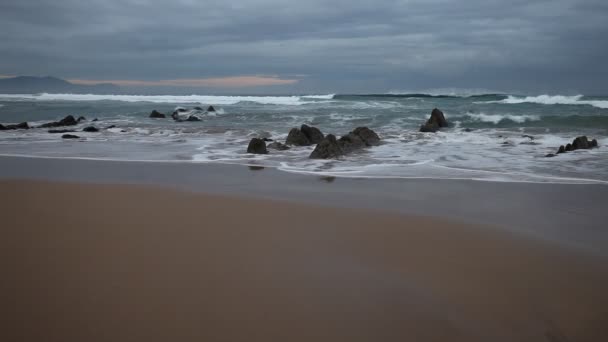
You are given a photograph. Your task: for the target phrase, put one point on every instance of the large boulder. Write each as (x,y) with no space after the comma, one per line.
(327,148)
(157,115)
(297,137)
(367,135)
(435,122)
(351,142)
(313,134)
(23,125)
(67,121)
(257,146)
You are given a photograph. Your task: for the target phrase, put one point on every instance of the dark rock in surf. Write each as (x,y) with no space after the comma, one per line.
(593,143)
(367,135)
(70,136)
(257,146)
(198,108)
(211,109)
(327,148)
(157,115)
(23,125)
(569,147)
(579,143)
(111,126)
(297,137)
(561,149)
(67,121)
(95,120)
(435,122)
(90,129)
(550,155)
(81,118)
(313,134)
(351,142)
(267,139)
(56,131)
(193,118)
(278,146)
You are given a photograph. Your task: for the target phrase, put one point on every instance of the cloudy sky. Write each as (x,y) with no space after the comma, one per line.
(271,46)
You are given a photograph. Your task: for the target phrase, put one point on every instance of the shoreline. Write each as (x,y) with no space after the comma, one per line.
(567,214)
(121,262)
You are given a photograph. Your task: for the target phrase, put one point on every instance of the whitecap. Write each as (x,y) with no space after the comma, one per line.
(552,100)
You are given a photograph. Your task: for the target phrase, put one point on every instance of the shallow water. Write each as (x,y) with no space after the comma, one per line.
(494,149)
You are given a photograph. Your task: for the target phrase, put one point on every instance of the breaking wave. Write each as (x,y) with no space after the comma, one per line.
(552,100)
(496,118)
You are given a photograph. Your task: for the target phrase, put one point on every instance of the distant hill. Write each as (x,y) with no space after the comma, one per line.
(34,85)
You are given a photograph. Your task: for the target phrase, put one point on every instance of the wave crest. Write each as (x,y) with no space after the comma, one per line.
(552,100)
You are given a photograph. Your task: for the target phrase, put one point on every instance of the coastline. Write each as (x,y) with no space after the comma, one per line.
(138,262)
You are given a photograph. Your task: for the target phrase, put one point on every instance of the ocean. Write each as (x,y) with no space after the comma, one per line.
(493,137)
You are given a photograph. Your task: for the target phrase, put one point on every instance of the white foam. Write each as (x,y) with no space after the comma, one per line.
(552,100)
(496,118)
(198,99)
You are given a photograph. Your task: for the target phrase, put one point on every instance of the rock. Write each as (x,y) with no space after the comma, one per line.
(111,126)
(257,146)
(267,139)
(81,118)
(367,135)
(435,122)
(54,131)
(569,147)
(70,136)
(297,137)
(23,125)
(593,143)
(67,121)
(351,142)
(278,146)
(561,149)
(313,134)
(95,120)
(550,155)
(211,109)
(327,148)
(198,108)
(90,129)
(468,130)
(157,115)
(580,143)
(193,118)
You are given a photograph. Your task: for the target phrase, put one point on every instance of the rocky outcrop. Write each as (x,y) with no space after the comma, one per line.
(70,136)
(277,146)
(23,125)
(211,109)
(67,121)
(81,118)
(157,115)
(327,148)
(330,147)
(579,143)
(304,136)
(435,122)
(257,146)
(90,129)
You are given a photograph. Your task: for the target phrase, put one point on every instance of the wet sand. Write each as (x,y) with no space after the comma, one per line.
(87,262)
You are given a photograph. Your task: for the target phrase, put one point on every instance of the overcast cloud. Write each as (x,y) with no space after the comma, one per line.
(557,46)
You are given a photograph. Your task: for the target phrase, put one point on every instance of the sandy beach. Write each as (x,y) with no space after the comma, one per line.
(92,262)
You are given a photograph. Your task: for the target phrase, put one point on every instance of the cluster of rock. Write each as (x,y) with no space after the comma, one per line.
(182,114)
(326,146)
(65,122)
(23,125)
(579,143)
(435,122)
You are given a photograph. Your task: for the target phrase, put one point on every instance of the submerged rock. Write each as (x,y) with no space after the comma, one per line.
(94,120)
(367,135)
(435,122)
(81,118)
(90,129)
(198,108)
(70,136)
(67,121)
(257,146)
(277,146)
(157,115)
(55,131)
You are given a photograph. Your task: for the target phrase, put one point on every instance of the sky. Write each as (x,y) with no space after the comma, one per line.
(311,46)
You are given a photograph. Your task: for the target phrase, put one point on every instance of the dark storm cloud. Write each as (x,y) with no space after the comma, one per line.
(340,45)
